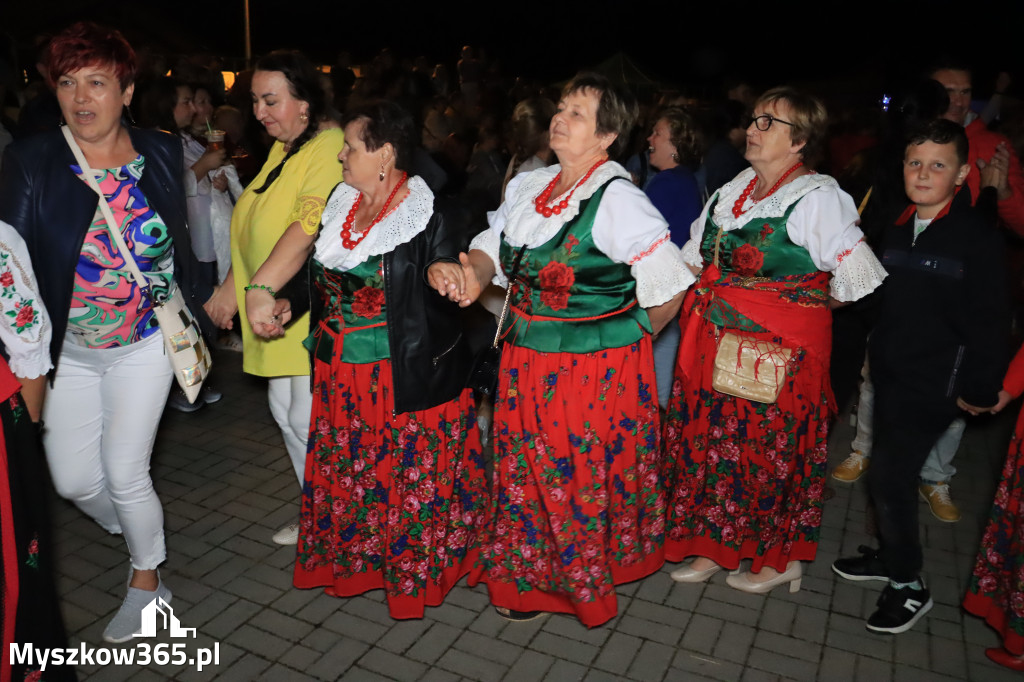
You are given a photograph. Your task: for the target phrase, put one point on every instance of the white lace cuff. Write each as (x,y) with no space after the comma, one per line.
(29,360)
(489,242)
(660,276)
(691,254)
(859,273)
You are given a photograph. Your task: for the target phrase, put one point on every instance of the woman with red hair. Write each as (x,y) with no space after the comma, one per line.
(111,375)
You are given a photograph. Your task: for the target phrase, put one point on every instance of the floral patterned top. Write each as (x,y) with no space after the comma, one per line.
(108,309)
(26,333)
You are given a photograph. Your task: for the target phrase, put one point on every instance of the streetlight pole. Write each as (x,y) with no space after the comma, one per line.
(248,38)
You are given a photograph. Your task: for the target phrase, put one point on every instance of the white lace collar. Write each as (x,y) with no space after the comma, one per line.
(407,220)
(774,206)
(524,225)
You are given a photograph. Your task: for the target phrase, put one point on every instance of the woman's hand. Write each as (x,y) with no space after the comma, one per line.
(259,309)
(667,312)
(222,306)
(282,315)
(220,182)
(212,159)
(474,281)
(1005,398)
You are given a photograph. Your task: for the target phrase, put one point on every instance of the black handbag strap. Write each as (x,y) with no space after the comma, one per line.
(508,295)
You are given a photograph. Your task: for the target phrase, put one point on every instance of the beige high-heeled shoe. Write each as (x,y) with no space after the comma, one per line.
(792,575)
(686,573)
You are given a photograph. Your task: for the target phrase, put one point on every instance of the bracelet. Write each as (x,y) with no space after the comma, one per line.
(266,288)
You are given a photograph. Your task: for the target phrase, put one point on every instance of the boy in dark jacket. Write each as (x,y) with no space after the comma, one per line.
(939,345)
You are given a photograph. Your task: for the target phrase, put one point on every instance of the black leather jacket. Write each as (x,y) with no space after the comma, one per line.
(52,209)
(430,354)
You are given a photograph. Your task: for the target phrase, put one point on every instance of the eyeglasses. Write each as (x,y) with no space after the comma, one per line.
(764,121)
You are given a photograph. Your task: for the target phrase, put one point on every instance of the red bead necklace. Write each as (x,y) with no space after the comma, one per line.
(737,208)
(346,228)
(540,203)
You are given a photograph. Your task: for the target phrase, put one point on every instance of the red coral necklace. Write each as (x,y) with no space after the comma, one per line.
(346,228)
(540,203)
(737,208)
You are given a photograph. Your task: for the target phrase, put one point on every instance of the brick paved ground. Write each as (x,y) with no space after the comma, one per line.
(226,486)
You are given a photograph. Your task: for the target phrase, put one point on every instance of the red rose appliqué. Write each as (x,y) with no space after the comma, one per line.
(25,316)
(367,302)
(6,279)
(747,260)
(555,280)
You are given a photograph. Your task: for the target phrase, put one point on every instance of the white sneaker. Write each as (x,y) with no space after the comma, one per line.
(289,535)
(128,620)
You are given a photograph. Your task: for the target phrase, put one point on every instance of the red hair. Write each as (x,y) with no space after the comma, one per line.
(84,44)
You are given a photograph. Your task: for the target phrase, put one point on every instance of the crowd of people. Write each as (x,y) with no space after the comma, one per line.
(650,312)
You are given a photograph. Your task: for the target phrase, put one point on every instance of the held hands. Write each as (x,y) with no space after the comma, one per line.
(222,306)
(996,171)
(282,315)
(267,315)
(1004,400)
(457,281)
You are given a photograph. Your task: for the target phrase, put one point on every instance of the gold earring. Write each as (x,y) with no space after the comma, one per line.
(304,117)
(381,176)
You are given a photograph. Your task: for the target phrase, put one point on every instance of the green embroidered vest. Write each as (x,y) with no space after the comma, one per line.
(761,250)
(569,296)
(353,302)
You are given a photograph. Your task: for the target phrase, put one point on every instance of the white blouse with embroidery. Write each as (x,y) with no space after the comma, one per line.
(627,228)
(25,331)
(403,223)
(824,223)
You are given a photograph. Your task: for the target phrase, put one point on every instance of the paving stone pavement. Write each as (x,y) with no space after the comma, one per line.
(226,486)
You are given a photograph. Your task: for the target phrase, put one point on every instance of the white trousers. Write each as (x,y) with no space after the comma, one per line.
(101,417)
(291,404)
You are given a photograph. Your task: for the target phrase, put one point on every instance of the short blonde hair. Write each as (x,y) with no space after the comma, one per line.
(808,116)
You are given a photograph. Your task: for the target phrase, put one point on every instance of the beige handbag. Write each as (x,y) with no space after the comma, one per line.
(183,341)
(748,368)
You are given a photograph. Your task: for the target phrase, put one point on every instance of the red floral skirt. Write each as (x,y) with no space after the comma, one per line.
(745,479)
(578,505)
(392,502)
(996,590)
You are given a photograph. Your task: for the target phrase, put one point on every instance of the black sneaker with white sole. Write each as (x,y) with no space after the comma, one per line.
(898,609)
(867,566)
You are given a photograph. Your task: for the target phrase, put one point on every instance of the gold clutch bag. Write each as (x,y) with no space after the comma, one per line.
(750,369)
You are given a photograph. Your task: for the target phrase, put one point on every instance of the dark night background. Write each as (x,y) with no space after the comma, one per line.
(837,48)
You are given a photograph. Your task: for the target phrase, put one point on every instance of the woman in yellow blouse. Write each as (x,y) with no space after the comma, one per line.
(289,194)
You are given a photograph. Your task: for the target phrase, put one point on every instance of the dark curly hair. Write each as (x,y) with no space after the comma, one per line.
(304,84)
(386,122)
(684,134)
